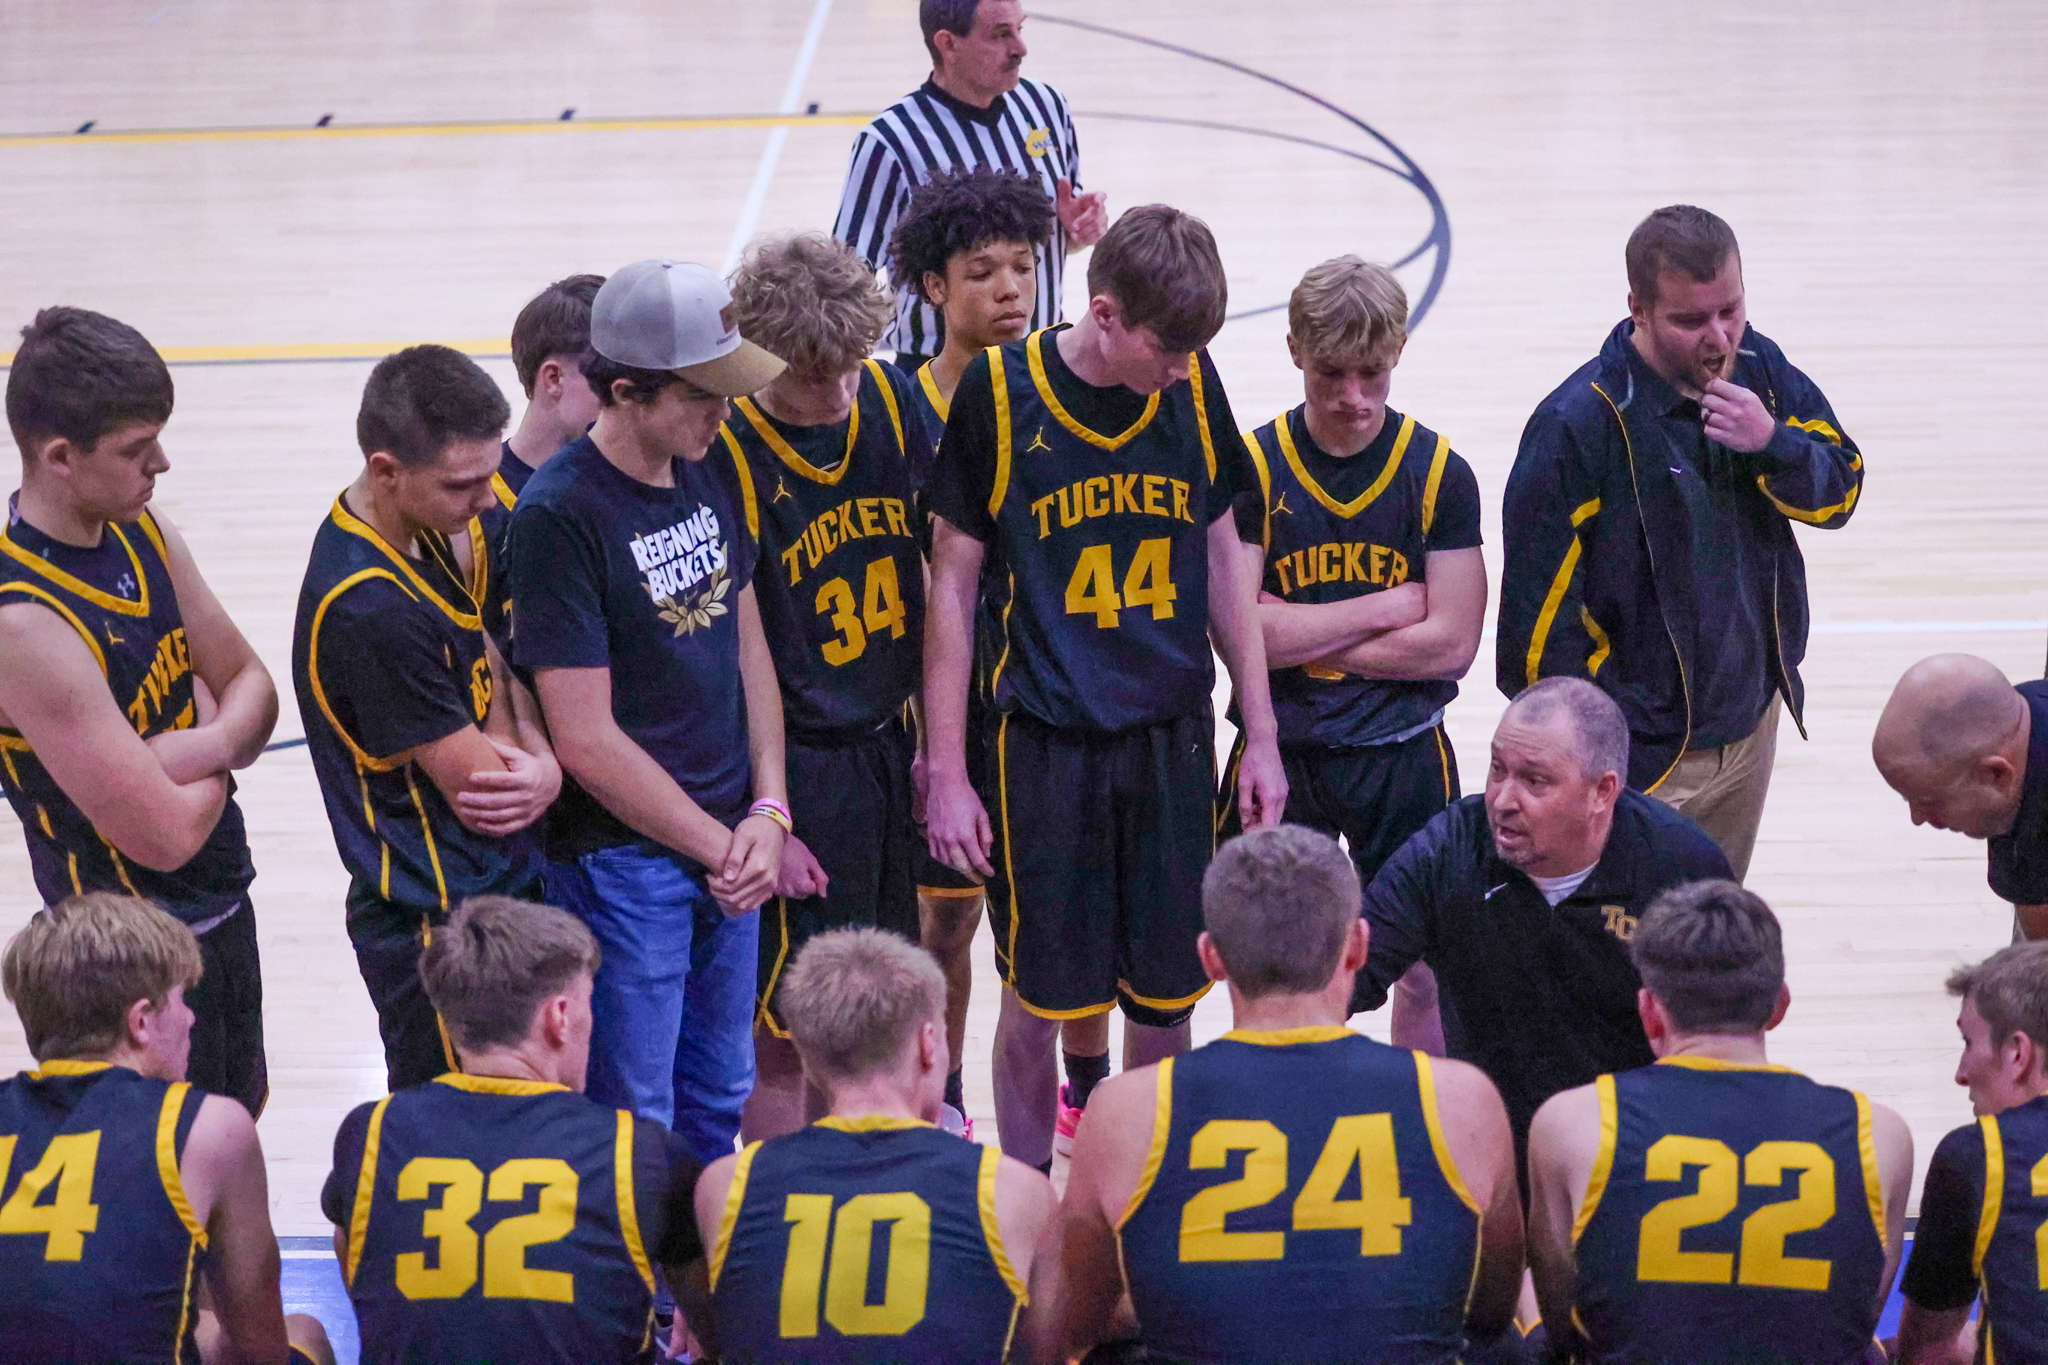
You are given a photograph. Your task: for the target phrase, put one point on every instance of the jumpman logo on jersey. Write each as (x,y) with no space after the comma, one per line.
(781,491)
(1037,442)
(114,639)
(1281,505)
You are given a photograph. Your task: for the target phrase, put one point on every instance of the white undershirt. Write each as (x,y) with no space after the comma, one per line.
(1555,889)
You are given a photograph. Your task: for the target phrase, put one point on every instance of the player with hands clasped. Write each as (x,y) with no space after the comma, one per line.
(633,603)
(1092,469)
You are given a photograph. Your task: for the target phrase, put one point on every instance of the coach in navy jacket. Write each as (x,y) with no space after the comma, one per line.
(1648,529)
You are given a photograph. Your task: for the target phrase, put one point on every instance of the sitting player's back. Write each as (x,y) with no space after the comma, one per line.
(99,1249)
(1742,1218)
(495,1216)
(864,1239)
(1303,1205)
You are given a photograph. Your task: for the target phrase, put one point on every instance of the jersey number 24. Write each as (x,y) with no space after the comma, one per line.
(1364,1141)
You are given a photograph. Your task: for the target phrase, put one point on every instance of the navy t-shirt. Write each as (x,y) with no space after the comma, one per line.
(2019,857)
(609,572)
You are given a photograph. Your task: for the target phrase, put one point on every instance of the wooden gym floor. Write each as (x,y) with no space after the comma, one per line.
(1880,162)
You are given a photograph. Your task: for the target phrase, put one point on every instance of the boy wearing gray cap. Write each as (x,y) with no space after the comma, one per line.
(633,603)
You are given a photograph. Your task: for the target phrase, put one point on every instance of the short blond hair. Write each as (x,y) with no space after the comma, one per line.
(1348,311)
(854,999)
(489,968)
(811,301)
(79,966)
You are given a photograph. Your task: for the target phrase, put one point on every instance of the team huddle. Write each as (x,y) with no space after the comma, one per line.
(677,743)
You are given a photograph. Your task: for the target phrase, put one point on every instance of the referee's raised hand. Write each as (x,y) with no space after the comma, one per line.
(1085,216)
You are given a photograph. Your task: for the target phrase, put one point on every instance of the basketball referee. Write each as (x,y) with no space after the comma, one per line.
(976,112)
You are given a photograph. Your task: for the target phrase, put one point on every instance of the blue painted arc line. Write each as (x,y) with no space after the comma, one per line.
(1439,235)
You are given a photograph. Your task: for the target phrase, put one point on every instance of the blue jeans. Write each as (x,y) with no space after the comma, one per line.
(673,1008)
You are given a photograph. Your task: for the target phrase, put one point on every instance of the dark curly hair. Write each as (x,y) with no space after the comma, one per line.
(959,211)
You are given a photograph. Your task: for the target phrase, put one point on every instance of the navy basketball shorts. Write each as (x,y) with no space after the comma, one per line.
(1375,795)
(934,878)
(850,799)
(1101,840)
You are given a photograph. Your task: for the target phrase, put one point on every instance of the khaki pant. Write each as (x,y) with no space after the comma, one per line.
(1723,789)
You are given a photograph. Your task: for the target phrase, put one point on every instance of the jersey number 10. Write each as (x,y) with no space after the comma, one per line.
(851,1232)
(1365,1141)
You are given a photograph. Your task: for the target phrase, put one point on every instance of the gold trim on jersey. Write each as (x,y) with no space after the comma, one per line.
(66,1067)
(1691,1063)
(1155,1155)
(1873,1183)
(355,526)
(167,1160)
(1347,510)
(786,452)
(1443,755)
(1288,1037)
(871,1123)
(985,1187)
(999,384)
(366,1188)
(1432,1118)
(1994,1192)
(1437,462)
(888,403)
(1201,411)
(497,1085)
(479,561)
(1034,352)
(55,603)
(427,832)
(1539,638)
(931,391)
(1258,454)
(507,499)
(78,587)
(748,504)
(735,1195)
(622,1193)
(1603,1158)
(362,756)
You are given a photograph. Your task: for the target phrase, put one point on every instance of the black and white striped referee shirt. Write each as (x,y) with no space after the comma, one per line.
(929,132)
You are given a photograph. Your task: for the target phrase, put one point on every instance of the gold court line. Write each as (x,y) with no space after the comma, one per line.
(639,125)
(306,350)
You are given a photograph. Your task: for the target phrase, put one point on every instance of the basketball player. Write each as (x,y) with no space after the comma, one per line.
(120,1182)
(1982,1207)
(965,244)
(1091,468)
(126,693)
(824,455)
(633,597)
(798,1275)
(550,342)
(1969,752)
(1297,1258)
(1359,508)
(497,1213)
(1713,1207)
(431,758)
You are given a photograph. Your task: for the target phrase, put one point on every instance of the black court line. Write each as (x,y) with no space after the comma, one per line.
(1439,236)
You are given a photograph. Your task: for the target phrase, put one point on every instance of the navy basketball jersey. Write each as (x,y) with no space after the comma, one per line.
(99,1249)
(1734,1215)
(489,583)
(840,577)
(1335,529)
(120,599)
(495,1219)
(2012,1273)
(1101,555)
(864,1240)
(932,406)
(388,654)
(1300,1203)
